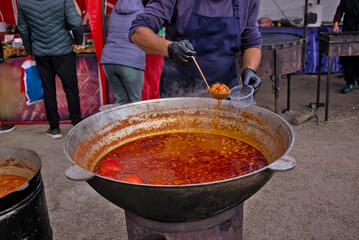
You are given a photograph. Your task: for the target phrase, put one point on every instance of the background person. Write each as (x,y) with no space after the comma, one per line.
(45,27)
(213,31)
(350,10)
(123,62)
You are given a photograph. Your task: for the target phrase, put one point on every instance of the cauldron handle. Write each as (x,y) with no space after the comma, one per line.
(75,173)
(285,163)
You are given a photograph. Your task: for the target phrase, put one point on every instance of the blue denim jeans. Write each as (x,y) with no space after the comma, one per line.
(126,82)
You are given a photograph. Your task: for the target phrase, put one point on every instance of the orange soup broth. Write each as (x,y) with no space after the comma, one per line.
(9,183)
(184,158)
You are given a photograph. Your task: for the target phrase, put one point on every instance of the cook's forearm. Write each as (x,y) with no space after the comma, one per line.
(251,58)
(148,41)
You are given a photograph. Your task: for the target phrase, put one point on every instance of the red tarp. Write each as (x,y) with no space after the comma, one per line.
(151,82)
(8,11)
(95,19)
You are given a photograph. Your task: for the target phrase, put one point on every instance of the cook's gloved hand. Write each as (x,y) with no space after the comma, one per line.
(249,77)
(181,52)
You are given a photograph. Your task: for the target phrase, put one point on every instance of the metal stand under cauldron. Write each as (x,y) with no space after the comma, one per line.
(334,44)
(226,225)
(282,54)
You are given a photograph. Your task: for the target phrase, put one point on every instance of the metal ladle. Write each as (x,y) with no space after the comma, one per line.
(219,96)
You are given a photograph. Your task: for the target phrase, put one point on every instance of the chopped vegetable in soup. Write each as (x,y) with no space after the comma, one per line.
(219,88)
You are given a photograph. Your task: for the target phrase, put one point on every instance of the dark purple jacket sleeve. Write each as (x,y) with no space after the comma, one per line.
(339,13)
(251,37)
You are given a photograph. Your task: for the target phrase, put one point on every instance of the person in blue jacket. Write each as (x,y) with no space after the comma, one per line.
(44,27)
(124,62)
(213,31)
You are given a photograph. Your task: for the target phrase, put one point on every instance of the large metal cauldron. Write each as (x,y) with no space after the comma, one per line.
(23,212)
(100,133)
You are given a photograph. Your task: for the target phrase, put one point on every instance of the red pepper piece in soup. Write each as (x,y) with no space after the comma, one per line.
(110,165)
(133,178)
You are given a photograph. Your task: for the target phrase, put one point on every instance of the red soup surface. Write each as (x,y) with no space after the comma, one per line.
(9,183)
(181,158)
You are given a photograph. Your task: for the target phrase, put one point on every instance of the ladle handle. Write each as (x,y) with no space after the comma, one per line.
(195,61)
(75,173)
(283,164)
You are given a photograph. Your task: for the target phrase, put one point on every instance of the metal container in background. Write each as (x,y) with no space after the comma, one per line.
(339,44)
(3,27)
(23,212)
(282,54)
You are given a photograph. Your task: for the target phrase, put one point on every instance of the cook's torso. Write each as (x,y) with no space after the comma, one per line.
(216,41)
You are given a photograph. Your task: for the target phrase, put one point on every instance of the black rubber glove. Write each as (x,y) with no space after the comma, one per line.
(249,77)
(181,52)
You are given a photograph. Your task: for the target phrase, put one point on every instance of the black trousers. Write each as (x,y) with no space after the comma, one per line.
(350,63)
(65,67)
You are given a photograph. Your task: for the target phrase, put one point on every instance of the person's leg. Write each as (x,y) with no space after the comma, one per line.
(355,27)
(356,68)
(115,78)
(349,73)
(47,75)
(132,79)
(65,68)
(347,62)
(349,70)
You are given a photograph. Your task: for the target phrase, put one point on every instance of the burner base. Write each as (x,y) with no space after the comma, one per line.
(226,225)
